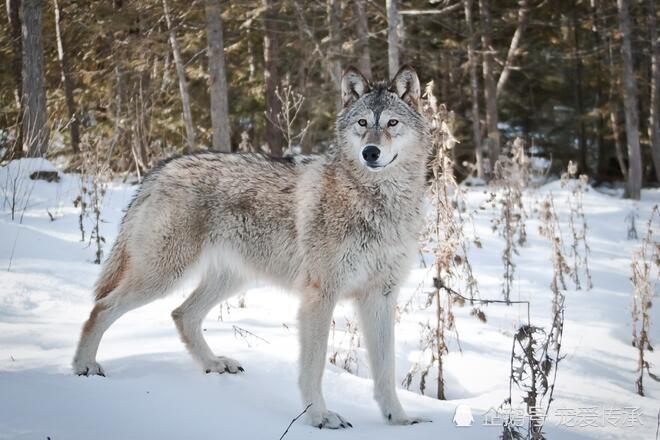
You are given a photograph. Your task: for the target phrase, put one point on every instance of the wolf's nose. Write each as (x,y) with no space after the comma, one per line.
(371,153)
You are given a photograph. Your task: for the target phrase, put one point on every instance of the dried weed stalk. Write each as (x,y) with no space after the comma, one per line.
(511,178)
(645,273)
(577,222)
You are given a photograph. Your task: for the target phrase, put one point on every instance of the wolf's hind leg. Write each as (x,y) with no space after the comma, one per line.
(217,285)
(105,312)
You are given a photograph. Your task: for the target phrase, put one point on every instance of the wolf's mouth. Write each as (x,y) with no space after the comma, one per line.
(380,167)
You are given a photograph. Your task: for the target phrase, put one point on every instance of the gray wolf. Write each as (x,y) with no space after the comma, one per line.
(343,225)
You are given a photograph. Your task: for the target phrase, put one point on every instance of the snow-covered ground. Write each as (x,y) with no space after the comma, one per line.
(154,390)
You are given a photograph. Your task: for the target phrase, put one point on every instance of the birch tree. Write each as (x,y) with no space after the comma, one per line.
(217,78)
(490,86)
(13,14)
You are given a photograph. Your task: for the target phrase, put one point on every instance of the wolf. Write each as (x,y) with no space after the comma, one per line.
(342,225)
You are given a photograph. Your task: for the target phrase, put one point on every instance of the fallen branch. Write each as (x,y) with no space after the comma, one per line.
(294,420)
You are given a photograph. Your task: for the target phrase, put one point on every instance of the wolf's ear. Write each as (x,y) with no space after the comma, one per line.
(353,85)
(406,84)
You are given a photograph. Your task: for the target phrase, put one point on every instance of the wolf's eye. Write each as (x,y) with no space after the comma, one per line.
(362,122)
(392,122)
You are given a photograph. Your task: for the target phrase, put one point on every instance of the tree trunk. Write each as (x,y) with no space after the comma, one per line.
(523,12)
(271,78)
(362,31)
(334,52)
(183,83)
(654,96)
(474,88)
(490,88)
(35,117)
(218,78)
(14,14)
(629,84)
(577,93)
(393,43)
(67,82)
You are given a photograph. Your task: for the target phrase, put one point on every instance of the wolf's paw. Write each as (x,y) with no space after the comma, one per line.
(222,365)
(405,420)
(328,419)
(89,368)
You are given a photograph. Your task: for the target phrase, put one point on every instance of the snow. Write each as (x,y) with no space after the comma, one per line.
(154,390)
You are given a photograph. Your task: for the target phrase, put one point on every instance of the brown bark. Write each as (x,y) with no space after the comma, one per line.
(334,52)
(490,88)
(183,83)
(271,78)
(13,13)
(474,87)
(362,32)
(217,78)
(35,117)
(629,84)
(654,95)
(577,93)
(67,81)
(393,42)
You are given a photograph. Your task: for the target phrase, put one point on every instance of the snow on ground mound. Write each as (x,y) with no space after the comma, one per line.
(154,390)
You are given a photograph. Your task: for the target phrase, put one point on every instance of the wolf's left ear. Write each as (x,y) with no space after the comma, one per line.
(353,86)
(406,84)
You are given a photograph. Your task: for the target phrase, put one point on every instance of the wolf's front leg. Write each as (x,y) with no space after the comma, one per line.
(377,315)
(315,316)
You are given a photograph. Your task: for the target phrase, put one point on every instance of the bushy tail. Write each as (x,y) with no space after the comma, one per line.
(113,270)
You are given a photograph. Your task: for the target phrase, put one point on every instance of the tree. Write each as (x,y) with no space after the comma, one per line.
(13,12)
(334,52)
(474,88)
(217,78)
(393,24)
(362,32)
(654,95)
(629,86)
(35,117)
(490,87)
(183,83)
(271,78)
(67,81)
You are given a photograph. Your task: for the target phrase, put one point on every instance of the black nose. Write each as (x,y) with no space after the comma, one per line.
(371,153)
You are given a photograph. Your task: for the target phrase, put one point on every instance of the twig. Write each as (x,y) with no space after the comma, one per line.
(439,284)
(243,333)
(294,420)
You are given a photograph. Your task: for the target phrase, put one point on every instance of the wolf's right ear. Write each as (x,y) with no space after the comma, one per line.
(353,86)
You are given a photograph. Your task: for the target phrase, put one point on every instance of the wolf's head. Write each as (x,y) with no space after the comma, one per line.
(380,126)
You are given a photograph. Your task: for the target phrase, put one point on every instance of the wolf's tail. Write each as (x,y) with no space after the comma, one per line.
(113,269)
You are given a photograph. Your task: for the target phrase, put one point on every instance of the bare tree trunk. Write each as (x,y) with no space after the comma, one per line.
(630,103)
(362,31)
(474,88)
(523,12)
(334,52)
(67,82)
(271,78)
(577,93)
(218,78)
(14,16)
(35,117)
(613,105)
(490,88)
(654,96)
(393,42)
(183,83)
